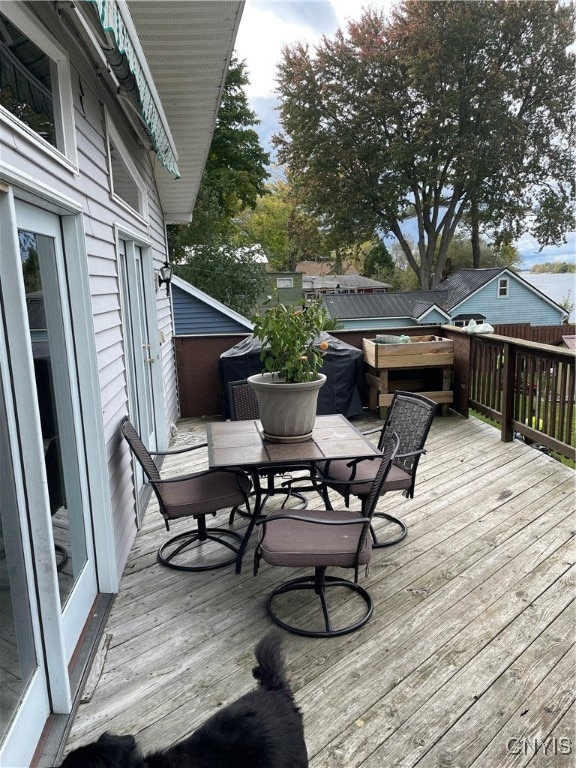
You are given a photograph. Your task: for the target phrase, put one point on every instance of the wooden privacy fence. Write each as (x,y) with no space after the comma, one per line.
(543,334)
(528,388)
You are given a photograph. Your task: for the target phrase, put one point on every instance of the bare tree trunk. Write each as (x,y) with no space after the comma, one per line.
(475,237)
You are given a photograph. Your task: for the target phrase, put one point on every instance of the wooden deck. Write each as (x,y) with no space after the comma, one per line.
(468,659)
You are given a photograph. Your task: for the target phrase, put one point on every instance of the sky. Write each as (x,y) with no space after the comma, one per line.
(268,25)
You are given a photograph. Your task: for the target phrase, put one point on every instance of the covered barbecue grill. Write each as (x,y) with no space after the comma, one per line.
(342,368)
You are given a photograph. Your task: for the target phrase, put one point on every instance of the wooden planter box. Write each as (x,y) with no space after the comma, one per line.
(421,352)
(427,364)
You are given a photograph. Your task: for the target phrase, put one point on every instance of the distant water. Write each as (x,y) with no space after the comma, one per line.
(554,286)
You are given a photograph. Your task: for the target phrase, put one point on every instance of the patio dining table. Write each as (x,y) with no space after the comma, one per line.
(242,444)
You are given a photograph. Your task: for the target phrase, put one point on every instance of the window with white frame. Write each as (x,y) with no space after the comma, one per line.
(503,287)
(126,183)
(284,282)
(35,90)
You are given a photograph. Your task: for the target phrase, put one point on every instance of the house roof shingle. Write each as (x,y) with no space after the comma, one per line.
(413,304)
(465,282)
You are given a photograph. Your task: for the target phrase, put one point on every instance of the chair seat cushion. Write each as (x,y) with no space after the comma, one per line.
(205,493)
(295,543)
(397,480)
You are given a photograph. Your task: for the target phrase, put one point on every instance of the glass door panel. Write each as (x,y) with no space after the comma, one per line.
(37,252)
(139,357)
(147,407)
(17,652)
(24,701)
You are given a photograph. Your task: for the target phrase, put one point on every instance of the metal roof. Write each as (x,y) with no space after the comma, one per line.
(359,305)
(187,45)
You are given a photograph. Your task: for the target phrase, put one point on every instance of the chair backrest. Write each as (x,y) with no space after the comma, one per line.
(390,447)
(410,415)
(242,401)
(140,450)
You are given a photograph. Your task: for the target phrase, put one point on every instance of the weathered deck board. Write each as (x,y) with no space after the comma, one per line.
(471,645)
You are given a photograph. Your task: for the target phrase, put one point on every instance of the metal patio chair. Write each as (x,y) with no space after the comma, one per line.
(322,539)
(195,495)
(410,416)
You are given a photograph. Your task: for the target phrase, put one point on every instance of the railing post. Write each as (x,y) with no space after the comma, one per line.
(508,375)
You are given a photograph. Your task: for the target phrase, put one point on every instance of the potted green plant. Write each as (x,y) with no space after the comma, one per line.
(287,390)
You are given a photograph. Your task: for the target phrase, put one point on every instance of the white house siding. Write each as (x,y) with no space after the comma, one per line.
(101,214)
(521,306)
(168,361)
(104,214)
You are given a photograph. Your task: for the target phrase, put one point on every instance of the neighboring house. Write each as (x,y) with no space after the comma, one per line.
(313,279)
(107,111)
(316,286)
(285,286)
(494,296)
(195,312)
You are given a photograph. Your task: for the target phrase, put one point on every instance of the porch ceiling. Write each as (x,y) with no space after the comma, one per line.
(188,46)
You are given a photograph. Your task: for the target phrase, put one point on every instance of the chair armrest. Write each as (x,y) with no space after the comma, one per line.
(353,463)
(178,450)
(410,453)
(303,519)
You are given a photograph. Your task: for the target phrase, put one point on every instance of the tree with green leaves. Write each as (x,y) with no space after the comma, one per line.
(235,172)
(447,113)
(286,232)
(378,263)
(227,273)
(556,267)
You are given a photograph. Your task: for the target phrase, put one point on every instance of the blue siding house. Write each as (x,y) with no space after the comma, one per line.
(195,312)
(494,295)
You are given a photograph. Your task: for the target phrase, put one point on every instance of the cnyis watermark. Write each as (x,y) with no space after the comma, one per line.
(553,745)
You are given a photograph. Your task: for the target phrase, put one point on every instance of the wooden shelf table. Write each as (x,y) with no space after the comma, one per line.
(423,365)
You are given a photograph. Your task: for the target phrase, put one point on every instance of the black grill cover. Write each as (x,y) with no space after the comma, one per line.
(342,367)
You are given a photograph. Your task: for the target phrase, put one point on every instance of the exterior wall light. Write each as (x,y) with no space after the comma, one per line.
(165,276)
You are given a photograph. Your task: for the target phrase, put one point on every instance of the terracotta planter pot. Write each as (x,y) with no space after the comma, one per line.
(287,411)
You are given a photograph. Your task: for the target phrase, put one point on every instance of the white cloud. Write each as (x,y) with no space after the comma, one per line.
(261,36)
(527,244)
(268,25)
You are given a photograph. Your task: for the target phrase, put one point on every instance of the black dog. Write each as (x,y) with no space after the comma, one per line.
(262,729)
